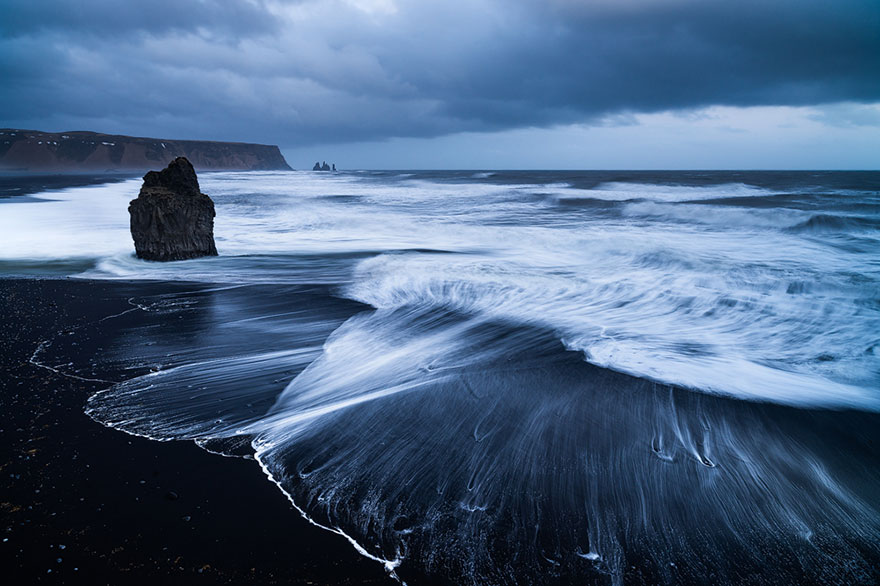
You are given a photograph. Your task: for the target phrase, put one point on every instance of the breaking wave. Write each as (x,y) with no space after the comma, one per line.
(833,223)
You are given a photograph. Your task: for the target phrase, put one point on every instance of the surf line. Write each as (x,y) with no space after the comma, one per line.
(135,306)
(42,346)
(390,565)
(33,360)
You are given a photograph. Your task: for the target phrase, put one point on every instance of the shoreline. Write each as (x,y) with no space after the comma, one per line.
(132,510)
(618,474)
(116,508)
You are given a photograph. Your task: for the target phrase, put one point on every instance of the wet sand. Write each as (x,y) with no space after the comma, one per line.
(84,504)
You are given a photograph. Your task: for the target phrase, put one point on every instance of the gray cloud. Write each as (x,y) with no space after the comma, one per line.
(848,115)
(299,73)
(115,19)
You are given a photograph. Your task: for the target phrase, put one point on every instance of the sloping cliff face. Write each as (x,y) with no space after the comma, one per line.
(171,219)
(31,150)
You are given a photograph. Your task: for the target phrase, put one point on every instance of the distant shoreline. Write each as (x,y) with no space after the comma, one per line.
(34,151)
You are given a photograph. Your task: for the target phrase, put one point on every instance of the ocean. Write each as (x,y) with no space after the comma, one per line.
(512,377)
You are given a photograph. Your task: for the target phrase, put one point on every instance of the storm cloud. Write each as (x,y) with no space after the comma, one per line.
(304,72)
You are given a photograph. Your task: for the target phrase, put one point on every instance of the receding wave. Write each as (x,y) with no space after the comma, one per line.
(475,451)
(635,326)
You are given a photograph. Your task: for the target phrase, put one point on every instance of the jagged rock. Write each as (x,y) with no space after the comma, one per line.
(334,167)
(317,167)
(171,219)
(323,167)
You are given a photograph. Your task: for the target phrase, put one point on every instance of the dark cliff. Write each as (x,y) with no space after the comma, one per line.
(42,152)
(171,219)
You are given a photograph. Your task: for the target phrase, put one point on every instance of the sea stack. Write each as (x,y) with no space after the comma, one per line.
(171,219)
(324,167)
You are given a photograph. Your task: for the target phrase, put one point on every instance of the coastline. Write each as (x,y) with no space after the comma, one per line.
(115,508)
(709,476)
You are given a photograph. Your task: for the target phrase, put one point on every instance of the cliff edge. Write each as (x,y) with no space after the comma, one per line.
(49,152)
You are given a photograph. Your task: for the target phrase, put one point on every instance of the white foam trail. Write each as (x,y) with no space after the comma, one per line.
(622,191)
(747,338)
(389,565)
(71,223)
(725,218)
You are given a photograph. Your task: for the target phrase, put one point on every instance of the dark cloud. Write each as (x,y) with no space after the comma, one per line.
(116,18)
(307,72)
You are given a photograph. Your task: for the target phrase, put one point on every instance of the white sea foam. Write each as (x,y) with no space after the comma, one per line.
(719,298)
(83,222)
(622,191)
(725,218)
(749,338)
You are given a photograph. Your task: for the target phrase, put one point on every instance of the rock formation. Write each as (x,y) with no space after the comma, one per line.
(324,167)
(171,219)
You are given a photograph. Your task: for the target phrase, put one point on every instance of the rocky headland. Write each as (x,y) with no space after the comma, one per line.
(59,152)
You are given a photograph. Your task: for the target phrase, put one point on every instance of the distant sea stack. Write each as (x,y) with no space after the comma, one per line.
(324,167)
(48,152)
(171,219)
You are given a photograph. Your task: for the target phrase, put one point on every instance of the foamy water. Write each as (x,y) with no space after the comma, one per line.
(762,296)
(503,378)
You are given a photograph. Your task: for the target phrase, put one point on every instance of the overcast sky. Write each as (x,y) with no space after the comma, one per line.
(573,84)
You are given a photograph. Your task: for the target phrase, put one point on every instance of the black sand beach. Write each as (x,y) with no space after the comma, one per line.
(23,184)
(584,378)
(84,504)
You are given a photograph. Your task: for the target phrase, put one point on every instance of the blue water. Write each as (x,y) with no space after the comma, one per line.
(521,377)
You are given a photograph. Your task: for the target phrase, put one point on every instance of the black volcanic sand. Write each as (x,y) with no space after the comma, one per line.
(21,184)
(84,504)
